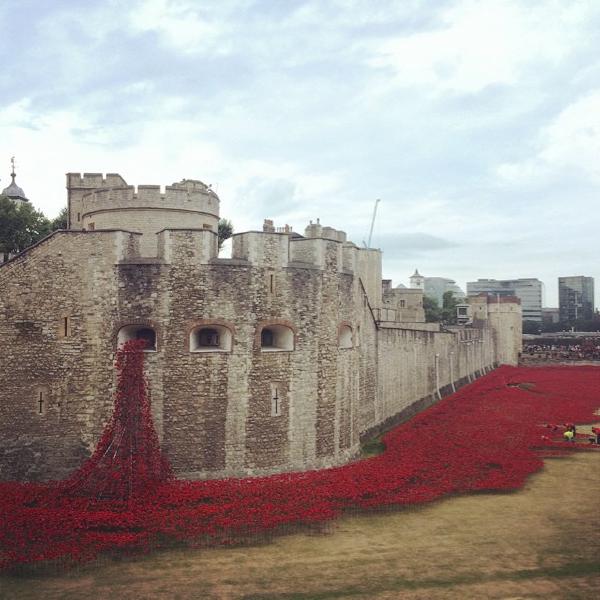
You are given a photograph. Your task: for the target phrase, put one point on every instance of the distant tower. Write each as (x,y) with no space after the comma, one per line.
(417,281)
(13,191)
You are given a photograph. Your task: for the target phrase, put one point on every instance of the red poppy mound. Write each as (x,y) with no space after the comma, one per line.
(491,435)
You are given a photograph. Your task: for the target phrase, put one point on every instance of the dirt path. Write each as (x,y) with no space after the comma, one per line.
(541,542)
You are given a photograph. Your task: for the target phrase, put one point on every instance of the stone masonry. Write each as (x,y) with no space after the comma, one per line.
(280,358)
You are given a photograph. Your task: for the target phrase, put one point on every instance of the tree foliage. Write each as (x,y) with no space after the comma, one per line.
(20,226)
(225,230)
(60,221)
(449,308)
(433,312)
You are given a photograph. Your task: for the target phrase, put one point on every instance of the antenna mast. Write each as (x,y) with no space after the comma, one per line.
(372,222)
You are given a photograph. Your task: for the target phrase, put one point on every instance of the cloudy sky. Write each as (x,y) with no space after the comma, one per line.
(477,123)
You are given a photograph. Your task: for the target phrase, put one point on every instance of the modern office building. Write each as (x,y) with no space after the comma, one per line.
(575,298)
(529,290)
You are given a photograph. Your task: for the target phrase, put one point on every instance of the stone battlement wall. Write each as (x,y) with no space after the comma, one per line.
(98,202)
(213,410)
(347,367)
(192,197)
(94,180)
(443,360)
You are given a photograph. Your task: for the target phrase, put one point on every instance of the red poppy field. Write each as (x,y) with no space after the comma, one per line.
(489,436)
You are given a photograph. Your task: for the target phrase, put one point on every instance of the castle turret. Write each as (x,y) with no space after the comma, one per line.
(109,203)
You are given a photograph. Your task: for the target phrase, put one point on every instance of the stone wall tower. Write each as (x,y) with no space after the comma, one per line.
(104,203)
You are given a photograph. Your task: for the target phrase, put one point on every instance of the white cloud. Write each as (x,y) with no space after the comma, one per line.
(48,145)
(159,151)
(178,23)
(479,44)
(573,139)
(571,142)
(295,123)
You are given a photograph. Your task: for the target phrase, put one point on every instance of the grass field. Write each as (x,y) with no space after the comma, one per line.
(540,542)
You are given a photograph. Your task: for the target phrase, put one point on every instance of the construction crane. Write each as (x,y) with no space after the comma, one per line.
(368,244)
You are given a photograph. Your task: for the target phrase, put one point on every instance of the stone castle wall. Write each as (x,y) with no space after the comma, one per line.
(240,410)
(443,360)
(57,302)
(212,410)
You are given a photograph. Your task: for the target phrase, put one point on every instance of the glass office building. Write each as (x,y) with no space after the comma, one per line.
(575,298)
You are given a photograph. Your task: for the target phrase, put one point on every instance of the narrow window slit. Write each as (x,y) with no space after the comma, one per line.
(275,400)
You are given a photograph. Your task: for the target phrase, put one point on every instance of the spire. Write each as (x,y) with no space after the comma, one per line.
(13,191)
(417,280)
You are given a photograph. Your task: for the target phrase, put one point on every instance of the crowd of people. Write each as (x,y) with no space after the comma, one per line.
(586,350)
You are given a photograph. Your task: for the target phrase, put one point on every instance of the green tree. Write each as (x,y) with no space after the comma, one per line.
(225,230)
(449,308)
(432,309)
(20,226)
(60,221)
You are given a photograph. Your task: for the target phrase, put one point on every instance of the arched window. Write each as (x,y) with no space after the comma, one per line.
(138,332)
(276,338)
(345,336)
(210,338)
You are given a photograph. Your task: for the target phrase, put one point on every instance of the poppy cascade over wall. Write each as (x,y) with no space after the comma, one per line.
(490,435)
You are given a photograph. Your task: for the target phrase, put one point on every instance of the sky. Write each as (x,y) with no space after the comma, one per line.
(477,123)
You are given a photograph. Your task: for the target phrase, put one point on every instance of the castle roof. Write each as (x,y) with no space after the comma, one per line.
(13,191)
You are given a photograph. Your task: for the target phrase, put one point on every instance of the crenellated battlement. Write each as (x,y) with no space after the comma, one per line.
(105,202)
(316,230)
(94,180)
(186,195)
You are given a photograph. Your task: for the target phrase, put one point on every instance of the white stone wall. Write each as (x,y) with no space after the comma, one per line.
(369,271)
(413,365)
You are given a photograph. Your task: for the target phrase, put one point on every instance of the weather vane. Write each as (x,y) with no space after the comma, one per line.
(12,162)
